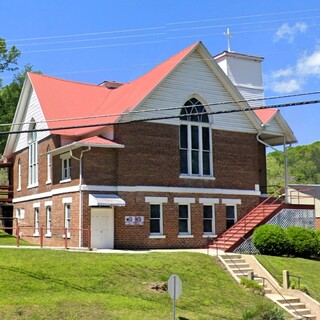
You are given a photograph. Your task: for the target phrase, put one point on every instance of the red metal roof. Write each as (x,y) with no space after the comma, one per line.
(98,141)
(61,99)
(265,115)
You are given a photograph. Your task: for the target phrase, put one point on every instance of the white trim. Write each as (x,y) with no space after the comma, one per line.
(187,234)
(185,176)
(155,236)
(36,205)
(156,200)
(209,201)
(67,200)
(149,189)
(181,235)
(48,203)
(65,180)
(184,200)
(160,233)
(209,235)
(231,201)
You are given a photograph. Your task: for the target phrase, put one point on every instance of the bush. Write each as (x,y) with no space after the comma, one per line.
(263,312)
(270,239)
(253,286)
(302,242)
(317,233)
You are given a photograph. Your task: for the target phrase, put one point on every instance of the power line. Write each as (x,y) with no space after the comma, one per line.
(276,106)
(167,109)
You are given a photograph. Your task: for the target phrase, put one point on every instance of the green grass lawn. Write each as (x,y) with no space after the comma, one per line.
(8,240)
(48,284)
(308,270)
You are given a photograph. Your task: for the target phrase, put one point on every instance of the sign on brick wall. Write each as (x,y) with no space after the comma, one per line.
(134,220)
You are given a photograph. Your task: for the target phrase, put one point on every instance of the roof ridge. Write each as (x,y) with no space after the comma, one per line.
(65,80)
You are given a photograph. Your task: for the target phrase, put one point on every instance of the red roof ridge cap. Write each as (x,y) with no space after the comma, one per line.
(65,80)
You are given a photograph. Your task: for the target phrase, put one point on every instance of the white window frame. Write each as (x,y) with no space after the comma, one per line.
(210,202)
(49,166)
(67,218)
(36,215)
(232,203)
(48,220)
(185,201)
(20,213)
(32,156)
(65,167)
(157,201)
(200,150)
(213,224)
(19,175)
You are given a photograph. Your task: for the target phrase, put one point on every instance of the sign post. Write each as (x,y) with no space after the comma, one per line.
(175,290)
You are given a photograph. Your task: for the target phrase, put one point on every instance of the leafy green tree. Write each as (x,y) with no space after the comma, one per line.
(303,165)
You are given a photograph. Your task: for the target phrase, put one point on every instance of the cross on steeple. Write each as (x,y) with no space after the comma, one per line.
(229,35)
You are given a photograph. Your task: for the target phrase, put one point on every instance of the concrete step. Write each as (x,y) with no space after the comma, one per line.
(301,312)
(294,305)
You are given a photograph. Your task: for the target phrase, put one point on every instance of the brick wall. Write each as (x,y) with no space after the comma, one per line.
(153,149)
(137,237)
(27,224)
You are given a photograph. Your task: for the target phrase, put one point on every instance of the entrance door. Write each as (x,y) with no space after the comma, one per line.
(102,225)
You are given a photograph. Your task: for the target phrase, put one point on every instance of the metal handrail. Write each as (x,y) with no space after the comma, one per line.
(261,205)
(266,279)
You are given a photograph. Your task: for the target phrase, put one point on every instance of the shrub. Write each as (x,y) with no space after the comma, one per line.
(252,286)
(270,239)
(263,312)
(302,241)
(317,233)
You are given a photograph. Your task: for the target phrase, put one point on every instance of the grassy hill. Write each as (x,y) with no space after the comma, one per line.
(48,284)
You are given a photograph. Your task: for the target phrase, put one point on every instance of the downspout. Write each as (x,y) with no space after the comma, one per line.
(80,189)
(285,153)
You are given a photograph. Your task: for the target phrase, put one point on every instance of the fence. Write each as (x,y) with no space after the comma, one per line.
(55,237)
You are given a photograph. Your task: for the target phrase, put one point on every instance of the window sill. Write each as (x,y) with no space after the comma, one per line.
(19,189)
(157,236)
(186,176)
(48,235)
(65,180)
(49,182)
(68,236)
(209,235)
(33,186)
(36,234)
(181,236)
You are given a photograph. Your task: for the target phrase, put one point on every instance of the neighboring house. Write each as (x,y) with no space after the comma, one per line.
(85,157)
(306,194)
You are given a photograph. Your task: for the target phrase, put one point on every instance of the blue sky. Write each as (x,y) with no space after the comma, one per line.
(92,41)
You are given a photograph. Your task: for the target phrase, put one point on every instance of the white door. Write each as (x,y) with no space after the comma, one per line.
(102,226)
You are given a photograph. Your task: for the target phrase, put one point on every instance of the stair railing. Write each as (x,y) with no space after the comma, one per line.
(274,197)
(272,285)
(275,270)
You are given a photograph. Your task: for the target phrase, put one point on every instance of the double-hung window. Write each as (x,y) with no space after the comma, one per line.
(195,140)
(49,165)
(156,224)
(156,216)
(65,167)
(208,220)
(48,221)
(67,218)
(33,155)
(19,175)
(36,219)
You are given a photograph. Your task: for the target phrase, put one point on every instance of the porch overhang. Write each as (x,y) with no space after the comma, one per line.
(105,200)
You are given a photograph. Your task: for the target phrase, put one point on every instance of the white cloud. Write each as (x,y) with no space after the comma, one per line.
(293,78)
(286,86)
(282,73)
(288,33)
(309,65)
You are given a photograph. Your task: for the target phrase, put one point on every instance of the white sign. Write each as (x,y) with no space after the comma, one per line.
(134,220)
(174,286)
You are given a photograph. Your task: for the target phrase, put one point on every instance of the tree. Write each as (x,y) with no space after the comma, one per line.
(8,58)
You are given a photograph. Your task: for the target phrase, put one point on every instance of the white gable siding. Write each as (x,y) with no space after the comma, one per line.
(274,127)
(194,77)
(33,110)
